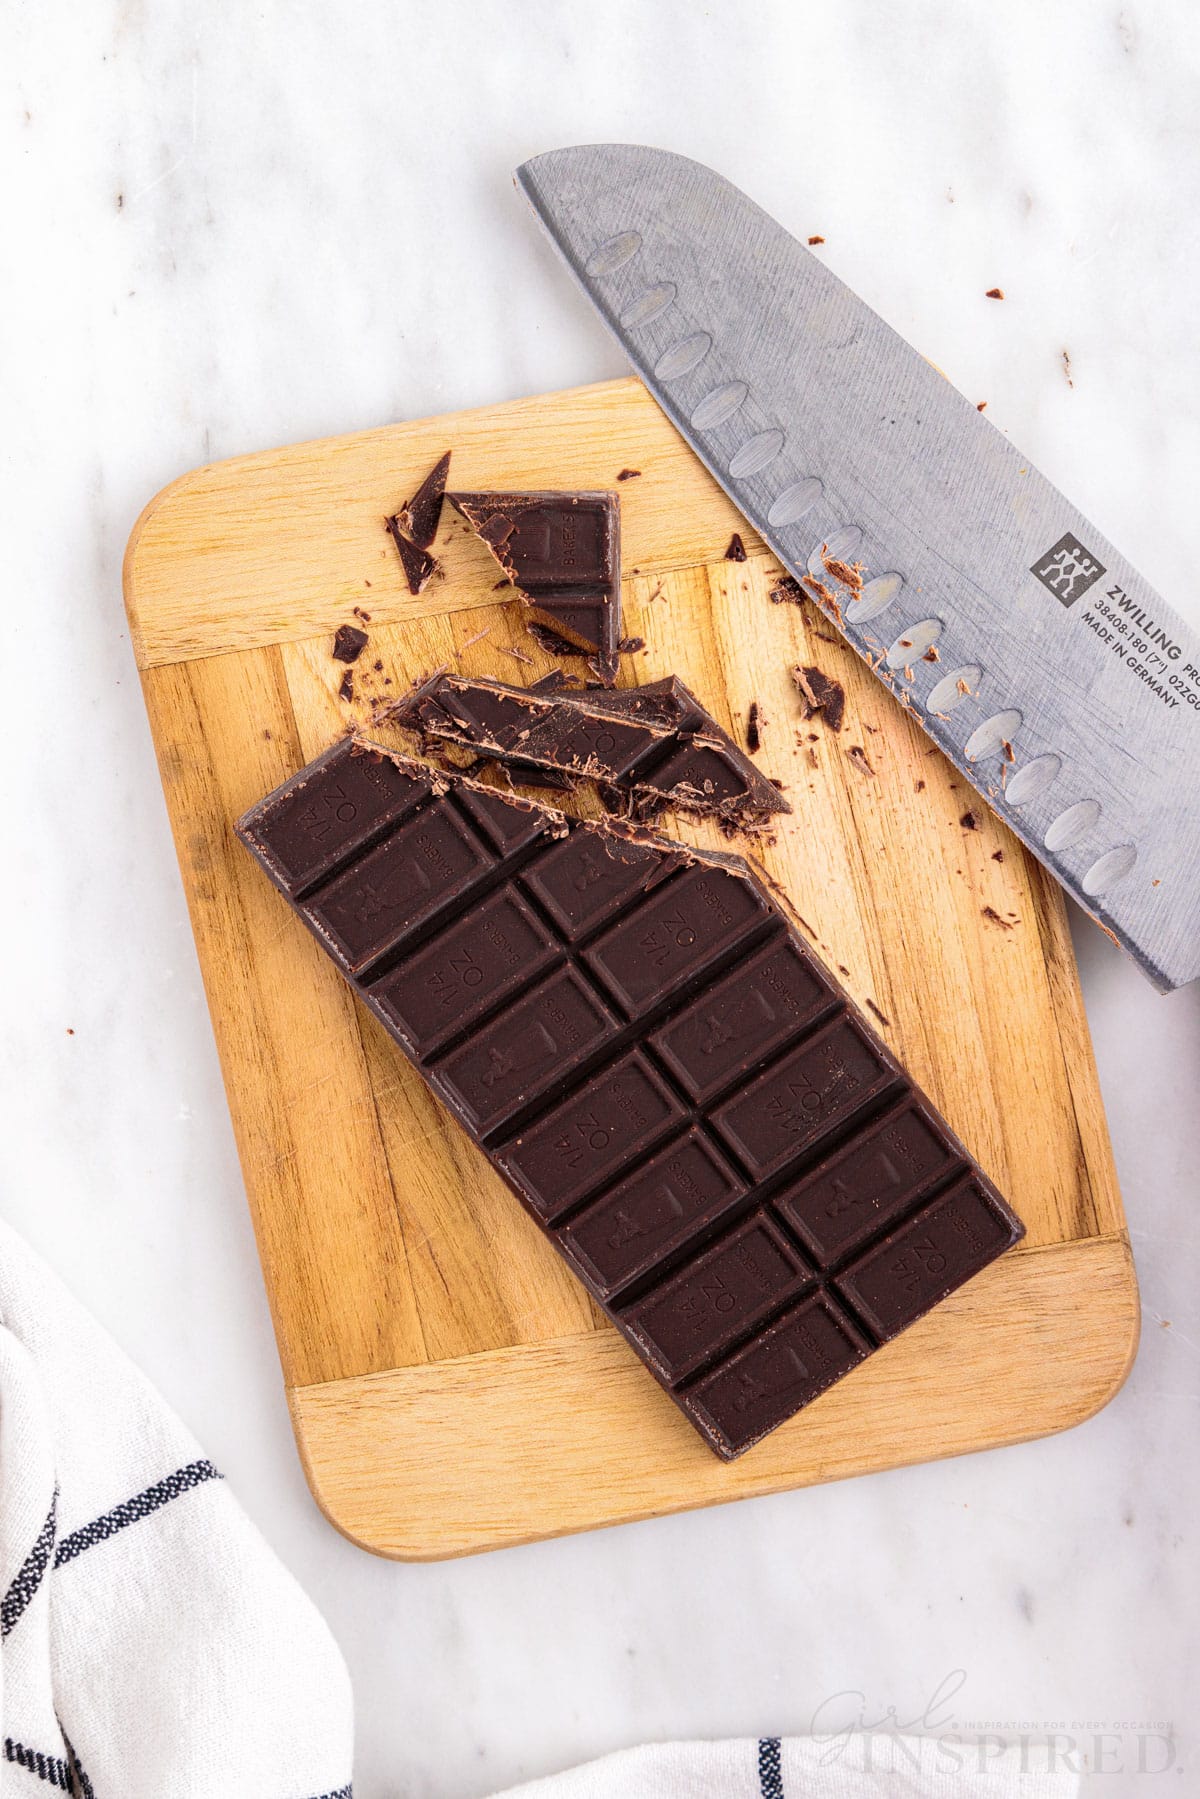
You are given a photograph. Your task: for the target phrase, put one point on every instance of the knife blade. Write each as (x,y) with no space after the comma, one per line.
(1060,684)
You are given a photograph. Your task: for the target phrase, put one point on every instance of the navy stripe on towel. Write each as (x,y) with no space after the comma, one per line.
(50,1768)
(770,1768)
(28,1577)
(140,1506)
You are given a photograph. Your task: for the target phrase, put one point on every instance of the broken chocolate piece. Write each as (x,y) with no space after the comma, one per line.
(419,517)
(648,748)
(821,694)
(417,563)
(562,551)
(736,550)
(349,643)
(678,1091)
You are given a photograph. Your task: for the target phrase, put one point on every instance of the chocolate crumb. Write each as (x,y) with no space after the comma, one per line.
(995,293)
(969,822)
(377,665)
(842,969)
(882,1016)
(349,643)
(70,1030)
(816,240)
(346,690)
(736,550)
(359,613)
(267,735)
(997,855)
(1066,362)
(821,694)
(629,474)
(918,787)
(1009,752)
(991,912)
(981,405)
(629,646)
(932,654)
(754,723)
(858,756)
(788,589)
(962,686)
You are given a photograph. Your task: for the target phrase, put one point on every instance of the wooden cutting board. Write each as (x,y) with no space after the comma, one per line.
(451,1385)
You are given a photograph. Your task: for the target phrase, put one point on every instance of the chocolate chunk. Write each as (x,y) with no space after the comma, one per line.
(736,549)
(821,694)
(419,517)
(754,720)
(562,550)
(418,564)
(676,1088)
(649,747)
(349,643)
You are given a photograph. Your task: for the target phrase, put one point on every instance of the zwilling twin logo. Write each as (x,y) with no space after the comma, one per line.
(1068,570)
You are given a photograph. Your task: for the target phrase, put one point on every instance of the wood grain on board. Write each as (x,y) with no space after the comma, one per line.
(452,1386)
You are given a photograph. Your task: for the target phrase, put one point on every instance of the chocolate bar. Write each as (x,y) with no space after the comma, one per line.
(672,1083)
(562,551)
(647,747)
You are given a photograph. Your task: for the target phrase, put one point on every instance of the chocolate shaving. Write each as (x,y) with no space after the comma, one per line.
(991,913)
(629,474)
(349,643)
(858,756)
(850,574)
(736,549)
(882,1016)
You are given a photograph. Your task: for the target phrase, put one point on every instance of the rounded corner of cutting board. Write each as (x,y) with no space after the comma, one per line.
(151,514)
(513,1446)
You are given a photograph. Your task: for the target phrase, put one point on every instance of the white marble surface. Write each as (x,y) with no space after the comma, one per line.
(227,227)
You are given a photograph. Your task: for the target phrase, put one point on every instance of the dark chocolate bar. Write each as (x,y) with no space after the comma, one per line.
(648,747)
(673,1084)
(562,551)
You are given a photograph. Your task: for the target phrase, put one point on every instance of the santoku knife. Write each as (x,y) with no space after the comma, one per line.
(1062,686)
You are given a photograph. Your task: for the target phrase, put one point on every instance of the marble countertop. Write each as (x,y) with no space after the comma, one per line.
(232,227)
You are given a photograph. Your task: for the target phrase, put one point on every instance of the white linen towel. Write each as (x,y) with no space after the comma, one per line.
(865,1767)
(152,1647)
